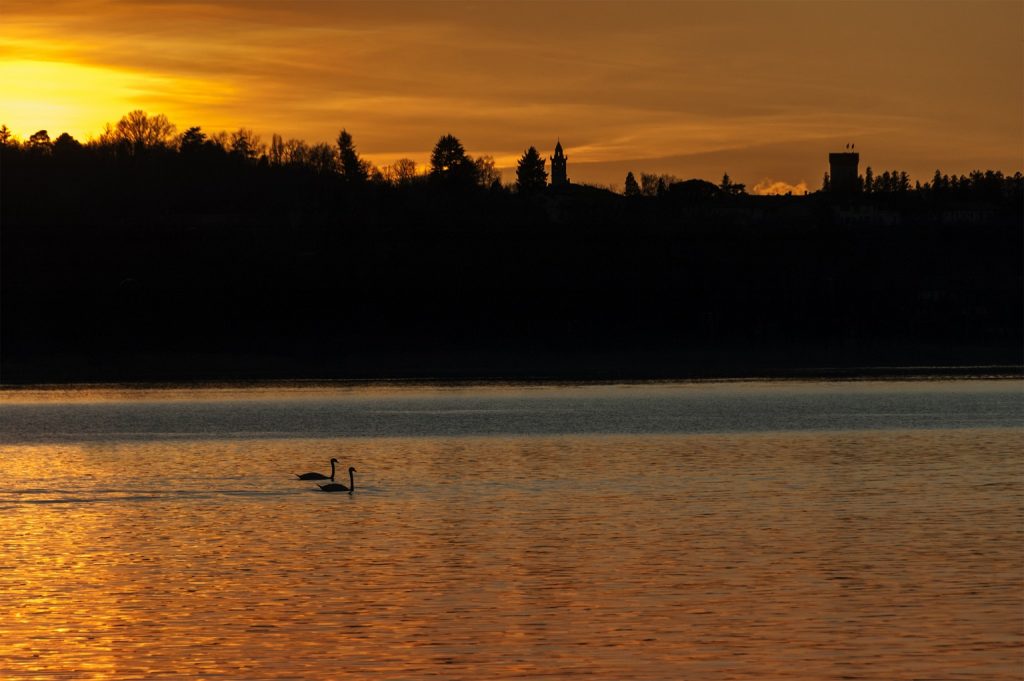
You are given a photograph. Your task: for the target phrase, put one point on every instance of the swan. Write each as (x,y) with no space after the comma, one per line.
(318,476)
(338,487)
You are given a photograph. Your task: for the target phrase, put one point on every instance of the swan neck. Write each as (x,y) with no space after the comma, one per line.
(332,471)
(351,482)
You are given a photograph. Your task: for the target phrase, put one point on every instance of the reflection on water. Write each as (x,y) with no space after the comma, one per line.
(797,555)
(418,411)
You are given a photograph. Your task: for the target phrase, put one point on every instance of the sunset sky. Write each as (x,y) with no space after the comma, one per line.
(763,90)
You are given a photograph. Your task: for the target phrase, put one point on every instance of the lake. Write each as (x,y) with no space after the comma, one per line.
(731,530)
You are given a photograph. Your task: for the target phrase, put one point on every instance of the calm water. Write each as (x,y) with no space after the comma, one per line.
(696,531)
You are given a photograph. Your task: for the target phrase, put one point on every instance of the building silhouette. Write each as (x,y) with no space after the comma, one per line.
(843,175)
(558,171)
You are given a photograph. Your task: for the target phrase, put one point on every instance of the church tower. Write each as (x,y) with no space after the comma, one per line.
(558,176)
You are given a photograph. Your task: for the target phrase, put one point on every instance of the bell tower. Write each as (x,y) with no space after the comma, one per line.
(558,176)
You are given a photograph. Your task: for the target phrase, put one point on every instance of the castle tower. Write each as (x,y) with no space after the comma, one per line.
(558,176)
(842,172)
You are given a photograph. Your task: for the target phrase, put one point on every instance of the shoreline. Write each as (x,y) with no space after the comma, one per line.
(808,374)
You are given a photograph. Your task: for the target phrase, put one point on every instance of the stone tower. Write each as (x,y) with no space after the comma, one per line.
(843,172)
(558,176)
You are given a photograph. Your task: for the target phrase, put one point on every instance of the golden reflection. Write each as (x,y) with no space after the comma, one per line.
(791,555)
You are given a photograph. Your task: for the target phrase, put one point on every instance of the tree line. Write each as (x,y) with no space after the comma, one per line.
(139,134)
(978,185)
(152,253)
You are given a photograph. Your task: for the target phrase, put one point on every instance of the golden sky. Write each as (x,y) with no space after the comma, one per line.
(762,89)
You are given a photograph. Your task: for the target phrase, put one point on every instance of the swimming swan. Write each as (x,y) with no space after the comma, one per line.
(318,476)
(338,487)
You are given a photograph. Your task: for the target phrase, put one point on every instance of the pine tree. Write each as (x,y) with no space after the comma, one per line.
(450,164)
(530,173)
(352,168)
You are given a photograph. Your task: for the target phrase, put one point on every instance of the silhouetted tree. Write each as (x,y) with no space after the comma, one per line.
(401,172)
(731,188)
(903,182)
(295,152)
(66,145)
(246,144)
(137,130)
(275,153)
(39,142)
(352,168)
(648,184)
(530,174)
(321,159)
(869,180)
(222,139)
(191,138)
(486,173)
(449,163)
(826,183)
(6,136)
(632,188)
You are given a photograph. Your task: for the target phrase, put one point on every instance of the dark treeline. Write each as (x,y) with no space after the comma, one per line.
(147,254)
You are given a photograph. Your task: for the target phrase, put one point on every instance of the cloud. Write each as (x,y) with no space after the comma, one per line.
(692,89)
(767,187)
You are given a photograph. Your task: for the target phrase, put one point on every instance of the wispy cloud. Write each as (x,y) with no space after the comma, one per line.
(684,86)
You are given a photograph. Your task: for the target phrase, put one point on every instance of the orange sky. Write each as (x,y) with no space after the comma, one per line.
(762,89)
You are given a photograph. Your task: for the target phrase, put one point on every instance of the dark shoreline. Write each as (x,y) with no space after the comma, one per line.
(610,375)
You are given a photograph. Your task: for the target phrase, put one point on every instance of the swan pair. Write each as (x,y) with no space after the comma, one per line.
(331,486)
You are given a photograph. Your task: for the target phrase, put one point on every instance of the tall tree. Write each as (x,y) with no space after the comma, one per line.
(449,163)
(530,174)
(486,173)
(903,182)
(886,182)
(276,152)
(869,180)
(632,186)
(352,168)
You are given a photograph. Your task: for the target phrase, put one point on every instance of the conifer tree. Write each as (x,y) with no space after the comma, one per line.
(450,164)
(530,173)
(351,167)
